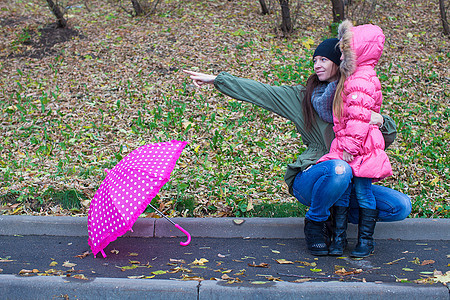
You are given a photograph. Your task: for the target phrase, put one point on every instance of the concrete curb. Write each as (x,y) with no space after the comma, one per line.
(409,229)
(14,287)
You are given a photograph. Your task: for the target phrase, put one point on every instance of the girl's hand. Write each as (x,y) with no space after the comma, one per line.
(347,156)
(376,119)
(200,79)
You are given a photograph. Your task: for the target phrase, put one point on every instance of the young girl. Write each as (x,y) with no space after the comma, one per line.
(357,141)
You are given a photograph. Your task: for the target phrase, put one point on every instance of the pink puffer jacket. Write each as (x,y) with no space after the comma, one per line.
(362,47)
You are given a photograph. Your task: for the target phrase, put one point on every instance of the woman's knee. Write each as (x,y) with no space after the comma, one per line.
(341,170)
(405,208)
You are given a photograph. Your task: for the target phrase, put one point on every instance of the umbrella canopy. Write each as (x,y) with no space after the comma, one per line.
(127,190)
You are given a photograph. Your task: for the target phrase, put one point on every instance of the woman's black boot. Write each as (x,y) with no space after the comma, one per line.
(315,233)
(366,227)
(339,242)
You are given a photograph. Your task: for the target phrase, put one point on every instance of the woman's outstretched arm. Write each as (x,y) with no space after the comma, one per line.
(282,100)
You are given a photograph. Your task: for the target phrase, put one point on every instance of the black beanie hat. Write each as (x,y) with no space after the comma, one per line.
(329,49)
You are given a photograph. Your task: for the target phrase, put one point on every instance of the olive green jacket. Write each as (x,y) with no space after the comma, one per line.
(286,101)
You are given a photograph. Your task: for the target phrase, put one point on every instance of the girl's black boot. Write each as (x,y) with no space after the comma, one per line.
(366,227)
(315,233)
(340,214)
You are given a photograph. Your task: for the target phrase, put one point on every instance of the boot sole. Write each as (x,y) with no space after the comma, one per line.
(362,256)
(319,253)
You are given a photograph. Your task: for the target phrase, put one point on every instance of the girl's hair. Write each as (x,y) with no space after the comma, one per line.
(308,109)
(337,101)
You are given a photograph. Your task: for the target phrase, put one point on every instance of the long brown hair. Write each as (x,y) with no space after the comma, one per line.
(337,101)
(308,109)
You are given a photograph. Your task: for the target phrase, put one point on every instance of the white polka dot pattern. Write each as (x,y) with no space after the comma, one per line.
(127,190)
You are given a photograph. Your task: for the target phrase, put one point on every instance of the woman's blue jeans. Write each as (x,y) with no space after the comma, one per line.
(321,185)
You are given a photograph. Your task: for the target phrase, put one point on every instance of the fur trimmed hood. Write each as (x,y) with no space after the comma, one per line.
(361,46)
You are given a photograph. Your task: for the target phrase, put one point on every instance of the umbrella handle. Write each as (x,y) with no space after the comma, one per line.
(186,233)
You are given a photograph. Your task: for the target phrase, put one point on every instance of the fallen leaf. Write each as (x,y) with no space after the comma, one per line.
(259,282)
(427,262)
(250,205)
(305,263)
(261,265)
(133,254)
(200,261)
(276,251)
(187,277)
(179,269)
(442,278)
(238,221)
(282,261)
(83,255)
(344,272)
(271,278)
(159,272)
(226,277)
(24,271)
(134,262)
(80,276)
(302,280)
(128,268)
(181,261)
(114,251)
(316,270)
(68,264)
(248,257)
(187,124)
(53,263)
(416,261)
(407,269)
(5,260)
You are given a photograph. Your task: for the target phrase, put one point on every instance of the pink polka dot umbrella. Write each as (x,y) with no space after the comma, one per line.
(127,190)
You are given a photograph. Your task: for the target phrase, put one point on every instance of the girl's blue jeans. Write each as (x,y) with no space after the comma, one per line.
(362,188)
(322,185)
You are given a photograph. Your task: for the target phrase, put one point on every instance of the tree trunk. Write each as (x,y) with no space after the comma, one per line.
(58,14)
(444,17)
(338,10)
(264,9)
(286,24)
(137,7)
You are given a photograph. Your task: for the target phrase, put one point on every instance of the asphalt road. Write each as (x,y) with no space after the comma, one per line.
(235,260)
